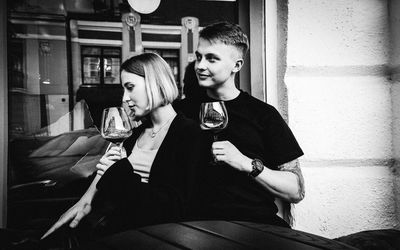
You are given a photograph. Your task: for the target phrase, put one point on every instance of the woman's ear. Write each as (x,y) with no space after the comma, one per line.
(238,65)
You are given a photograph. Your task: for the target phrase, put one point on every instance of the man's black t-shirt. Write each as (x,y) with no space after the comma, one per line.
(258,131)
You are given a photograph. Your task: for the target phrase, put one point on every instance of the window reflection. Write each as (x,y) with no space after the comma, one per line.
(38,86)
(91,70)
(54,144)
(100,65)
(111,70)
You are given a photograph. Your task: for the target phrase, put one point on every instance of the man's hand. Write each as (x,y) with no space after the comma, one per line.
(73,216)
(226,152)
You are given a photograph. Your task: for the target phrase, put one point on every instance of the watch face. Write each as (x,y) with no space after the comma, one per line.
(258,167)
(258,164)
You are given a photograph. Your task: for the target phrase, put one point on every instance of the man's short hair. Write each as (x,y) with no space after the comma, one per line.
(160,83)
(227,33)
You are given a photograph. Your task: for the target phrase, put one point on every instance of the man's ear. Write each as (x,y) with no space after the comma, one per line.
(238,65)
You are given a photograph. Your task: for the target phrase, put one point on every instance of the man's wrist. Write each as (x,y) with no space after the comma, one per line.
(246,166)
(257,167)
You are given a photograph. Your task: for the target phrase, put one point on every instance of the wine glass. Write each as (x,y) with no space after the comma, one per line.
(214,117)
(115,125)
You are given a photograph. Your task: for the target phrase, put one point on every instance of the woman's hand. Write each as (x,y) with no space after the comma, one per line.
(109,158)
(226,152)
(73,216)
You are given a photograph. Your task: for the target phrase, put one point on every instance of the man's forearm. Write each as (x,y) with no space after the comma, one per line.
(294,167)
(286,183)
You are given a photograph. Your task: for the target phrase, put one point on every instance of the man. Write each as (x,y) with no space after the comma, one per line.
(257,151)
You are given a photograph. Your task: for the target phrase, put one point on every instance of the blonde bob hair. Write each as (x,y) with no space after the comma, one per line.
(160,83)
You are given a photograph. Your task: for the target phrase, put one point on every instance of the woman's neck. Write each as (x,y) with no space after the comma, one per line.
(161,115)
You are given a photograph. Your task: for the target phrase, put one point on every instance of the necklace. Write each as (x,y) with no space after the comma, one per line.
(154,133)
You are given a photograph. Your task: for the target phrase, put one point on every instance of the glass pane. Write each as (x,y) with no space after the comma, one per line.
(54,143)
(91,70)
(38,86)
(112,52)
(91,51)
(15,62)
(37,6)
(111,70)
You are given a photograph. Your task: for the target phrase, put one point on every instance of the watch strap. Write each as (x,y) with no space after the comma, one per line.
(257,167)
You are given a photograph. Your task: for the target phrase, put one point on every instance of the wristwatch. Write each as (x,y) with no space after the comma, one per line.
(257,166)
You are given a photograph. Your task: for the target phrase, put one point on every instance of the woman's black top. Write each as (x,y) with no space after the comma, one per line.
(168,194)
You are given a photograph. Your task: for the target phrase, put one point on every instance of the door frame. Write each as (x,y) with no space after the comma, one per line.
(3,114)
(258,76)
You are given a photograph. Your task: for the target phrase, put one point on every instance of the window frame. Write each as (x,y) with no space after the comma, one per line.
(102,57)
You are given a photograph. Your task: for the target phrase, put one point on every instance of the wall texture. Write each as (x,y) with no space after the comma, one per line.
(394,18)
(342,200)
(342,107)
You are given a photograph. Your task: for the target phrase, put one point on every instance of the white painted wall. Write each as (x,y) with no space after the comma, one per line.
(395,64)
(340,107)
(338,33)
(394,18)
(342,200)
(343,117)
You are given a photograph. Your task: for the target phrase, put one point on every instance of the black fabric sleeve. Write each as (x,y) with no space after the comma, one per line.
(279,140)
(117,179)
(167,197)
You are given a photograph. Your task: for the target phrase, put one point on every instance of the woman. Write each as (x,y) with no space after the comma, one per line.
(154,183)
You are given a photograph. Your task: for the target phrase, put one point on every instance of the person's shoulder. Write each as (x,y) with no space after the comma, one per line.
(258,105)
(187,130)
(185,122)
(189,107)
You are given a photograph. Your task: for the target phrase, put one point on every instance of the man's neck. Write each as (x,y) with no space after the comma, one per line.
(224,92)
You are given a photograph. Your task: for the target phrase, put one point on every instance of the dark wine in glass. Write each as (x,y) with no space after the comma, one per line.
(115,125)
(213,116)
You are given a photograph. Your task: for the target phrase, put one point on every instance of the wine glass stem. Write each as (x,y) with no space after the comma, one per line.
(215,137)
(119,145)
(214,161)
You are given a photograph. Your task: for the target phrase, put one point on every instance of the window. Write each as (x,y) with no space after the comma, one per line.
(100,65)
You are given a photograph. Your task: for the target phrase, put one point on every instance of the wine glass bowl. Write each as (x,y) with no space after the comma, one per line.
(115,125)
(213,116)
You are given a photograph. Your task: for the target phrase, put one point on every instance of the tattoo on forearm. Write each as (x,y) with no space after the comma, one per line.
(294,167)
